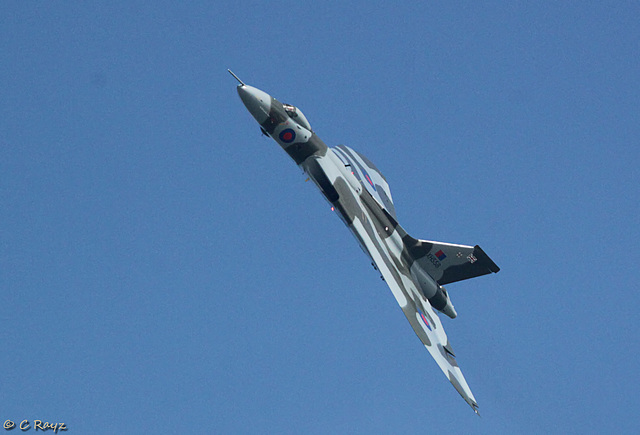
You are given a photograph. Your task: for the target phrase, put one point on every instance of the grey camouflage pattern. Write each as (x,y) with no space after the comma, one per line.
(414,269)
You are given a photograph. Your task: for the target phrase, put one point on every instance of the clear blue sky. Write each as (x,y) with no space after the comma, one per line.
(163,267)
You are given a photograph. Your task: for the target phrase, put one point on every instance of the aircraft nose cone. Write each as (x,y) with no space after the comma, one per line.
(257,102)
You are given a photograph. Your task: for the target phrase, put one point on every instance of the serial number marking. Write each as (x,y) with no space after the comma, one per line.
(434,260)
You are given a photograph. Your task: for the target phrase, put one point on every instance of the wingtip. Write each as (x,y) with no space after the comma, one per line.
(480,254)
(474,406)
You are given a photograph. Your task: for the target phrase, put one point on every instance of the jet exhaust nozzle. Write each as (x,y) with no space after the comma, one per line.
(441,302)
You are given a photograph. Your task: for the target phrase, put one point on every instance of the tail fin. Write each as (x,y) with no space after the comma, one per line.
(447,263)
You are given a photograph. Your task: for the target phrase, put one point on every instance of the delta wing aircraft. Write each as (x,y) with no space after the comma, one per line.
(415,270)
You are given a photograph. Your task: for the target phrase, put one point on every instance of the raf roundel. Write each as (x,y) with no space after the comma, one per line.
(288,135)
(424,319)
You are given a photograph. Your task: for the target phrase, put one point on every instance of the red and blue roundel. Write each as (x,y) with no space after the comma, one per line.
(288,135)
(369,180)
(424,319)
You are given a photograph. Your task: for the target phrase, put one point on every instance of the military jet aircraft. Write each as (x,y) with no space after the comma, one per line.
(415,270)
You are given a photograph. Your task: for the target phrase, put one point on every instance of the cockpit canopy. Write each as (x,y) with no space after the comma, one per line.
(297,115)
